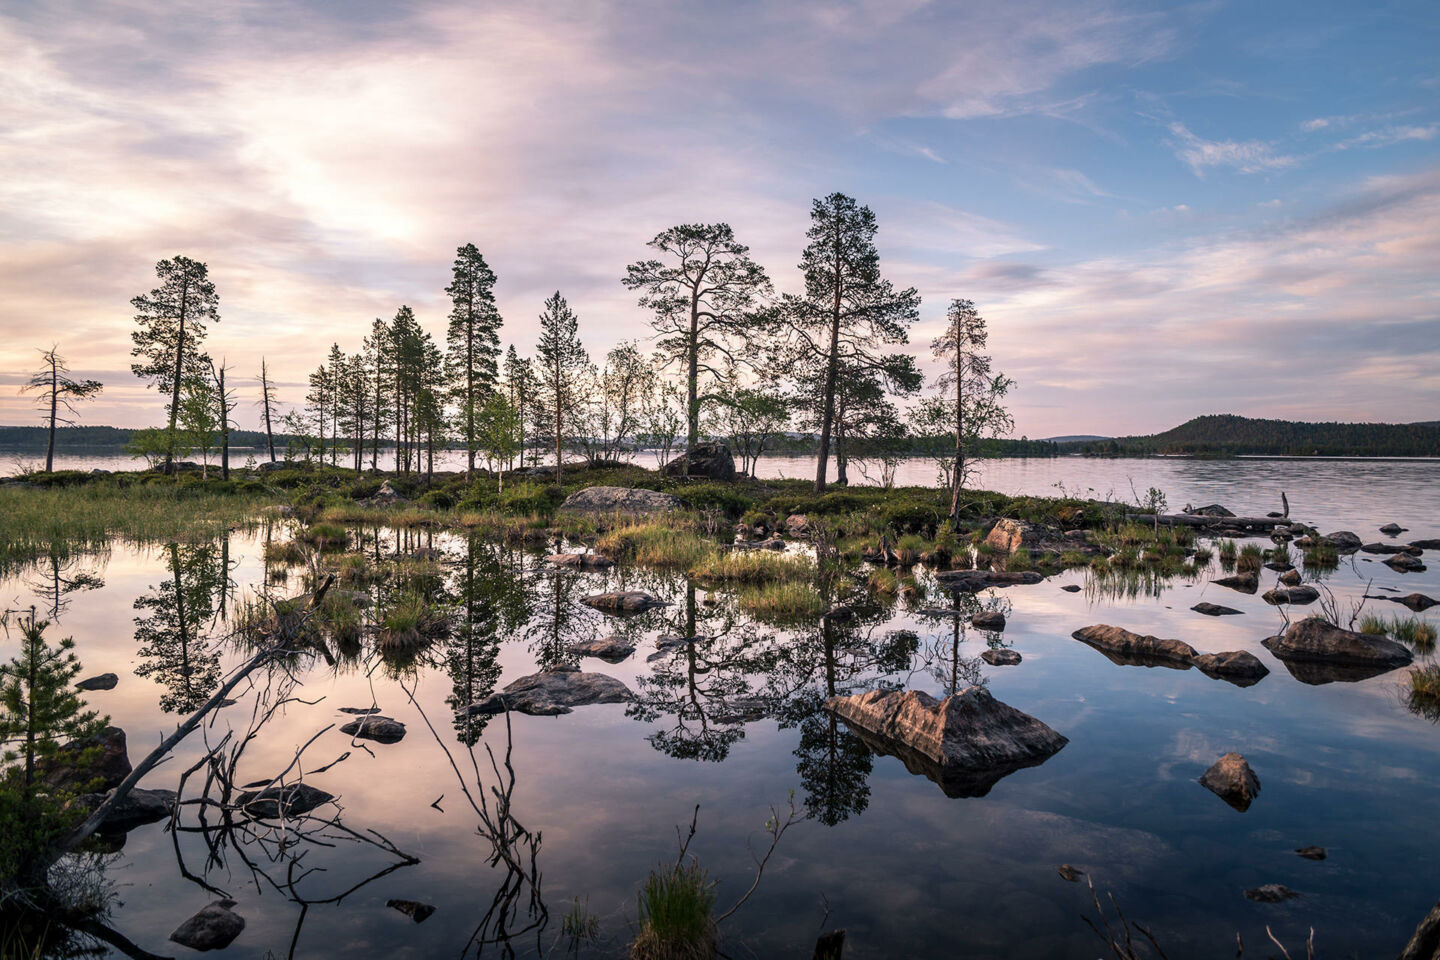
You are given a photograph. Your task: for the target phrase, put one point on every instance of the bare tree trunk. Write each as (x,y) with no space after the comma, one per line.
(265,397)
(693,376)
(224,427)
(54,412)
(958,479)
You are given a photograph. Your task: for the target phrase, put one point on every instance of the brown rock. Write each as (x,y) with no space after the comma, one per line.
(1001,657)
(992,620)
(1319,640)
(213,928)
(1231,779)
(1135,649)
(625,601)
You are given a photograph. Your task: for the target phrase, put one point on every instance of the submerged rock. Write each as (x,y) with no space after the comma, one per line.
(1215,610)
(581,561)
(105,681)
(992,620)
(1415,601)
(1392,529)
(1312,853)
(553,692)
(1231,779)
(1404,563)
(1270,893)
(1133,649)
(414,909)
(1247,582)
(1292,595)
(966,742)
(1001,657)
(612,649)
(377,728)
(290,800)
(1389,548)
(1319,641)
(1070,873)
(622,500)
(973,581)
(214,928)
(623,601)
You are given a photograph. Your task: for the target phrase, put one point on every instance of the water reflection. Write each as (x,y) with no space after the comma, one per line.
(175,650)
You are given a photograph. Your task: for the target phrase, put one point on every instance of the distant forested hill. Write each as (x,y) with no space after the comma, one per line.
(1228,435)
(94,438)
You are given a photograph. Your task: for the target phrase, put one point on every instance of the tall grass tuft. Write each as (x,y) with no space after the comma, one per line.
(656,544)
(1414,632)
(754,567)
(782,601)
(1424,693)
(675,916)
(1251,558)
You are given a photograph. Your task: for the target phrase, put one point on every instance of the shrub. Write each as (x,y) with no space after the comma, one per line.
(726,497)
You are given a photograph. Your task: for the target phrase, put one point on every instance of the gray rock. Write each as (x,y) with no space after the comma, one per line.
(992,620)
(973,581)
(386,495)
(1237,666)
(580,561)
(1211,510)
(1313,639)
(1231,779)
(1292,595)
(377,728)
(290,800)
(1344,540)
(624,601)
(710,460)
(552,692)
(1404,563)
(612,649)
(1415,601)
(138,808)
(1383,549)
(1392,529)
(1129,648)
(622,500)
(213,928)
(1291,578)
(1312,853)
(1215,610)
(1425,544)
(1071,588)
(1270,893)
(797,525)
(105,681)
(1001,657)
(1247,582)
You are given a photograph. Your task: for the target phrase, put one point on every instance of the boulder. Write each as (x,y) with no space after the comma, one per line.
(966,742)
(377,728)
(1425,544)
(1312,853)
(1291,578)
(1246,582)
(552,692)
(1293,595)
(1211,510)
(138,808)
(289,800)
(797,525)
(95,763)
(1389,548)
(1124,647)
(1392,529)
(580,561)
(414,909)
(1231,779)
(1215,610)
(1415,601)
(1001,657)
(1270,893)
(622,500)
(1007,536)
(1344,541)
(973,581)
(386,495)
(105,681)
(710,460)
(1404,563)
(624,601)
(612,649)
(1071,588)
(988,620)
(1314,639)
(1237,666)
(213,928)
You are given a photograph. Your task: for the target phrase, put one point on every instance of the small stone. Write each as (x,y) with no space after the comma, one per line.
(1070,873)
(1247,582)
(1071,588)
(414,909)
(291,800)
(214,928)
(1001,658)
(377,728)
(1312,853)
(360,711)
(105,681)
(1270,893)
(1215,610)
(625,601)
(1404,563)
(1291,578)
(992,620)
(1232,780)
(611,649)
(1392,529)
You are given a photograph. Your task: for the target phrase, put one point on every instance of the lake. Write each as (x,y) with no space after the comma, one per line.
(731,723)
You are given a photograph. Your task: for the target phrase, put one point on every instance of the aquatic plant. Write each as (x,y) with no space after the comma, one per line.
(580,925)
(1250,558)
(782,601)
(409,622)
(1412,631)
(754,566)
(286,552)
(675,905)
(883,581)
(325,536)
(656,544)
(1424,692)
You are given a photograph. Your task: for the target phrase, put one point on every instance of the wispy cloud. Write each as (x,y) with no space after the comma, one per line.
(1248,156)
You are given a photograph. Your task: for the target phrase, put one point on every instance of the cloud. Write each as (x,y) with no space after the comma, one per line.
(1390,135)
(1249,156)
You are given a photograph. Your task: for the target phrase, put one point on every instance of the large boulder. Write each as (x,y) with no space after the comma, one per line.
(138,808)
(710,460)
(213,928)
(1231,779)
(95,763)
(622,500)
(623,601)
(972,738)
(552,692)
(973,581)
(1320,641)
(1129,648)
(1007,535)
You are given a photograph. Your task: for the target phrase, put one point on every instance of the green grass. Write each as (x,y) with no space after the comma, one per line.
(884,582)
(675,915)
(1424,693)
(1251,558)
(579,925)
(781,601)
(408,623)
(1228,550)
(658,543)
(754,567)
(286,552)
(325,536)
(1414,632)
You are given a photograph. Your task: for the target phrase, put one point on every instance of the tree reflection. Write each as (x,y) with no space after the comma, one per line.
(174,646)
(491,598)
(56,578)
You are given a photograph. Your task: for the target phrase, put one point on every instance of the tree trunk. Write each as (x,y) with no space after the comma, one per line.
(54,411)
(957,481)
(832,370)
(692,350)
(224,430)
(265,396)
(179,372)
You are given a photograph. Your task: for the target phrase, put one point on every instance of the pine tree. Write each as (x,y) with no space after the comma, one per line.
(521,388)
(473,340)
(58,389)
(562,362)
(172,320)
(971,392)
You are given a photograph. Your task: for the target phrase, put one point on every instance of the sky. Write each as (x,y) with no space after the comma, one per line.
(1162,210)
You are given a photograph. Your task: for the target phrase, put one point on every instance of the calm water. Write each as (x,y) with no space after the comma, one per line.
(732,723)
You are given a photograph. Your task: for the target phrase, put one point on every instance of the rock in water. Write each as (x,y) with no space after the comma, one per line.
(291,800)
(1344,540)
(1001,658)
(1312,853)
(1133,649)
(1215,610)
(1294,595)
(1071,588)
(1392,529)
(213,928)
(1070,873)
(581,561)
(973,581)
(1319,640)
(1404,563)
(1270,893)
(1247,582)
(414,909)
(992,620)
(1212,510)
(552,692)
(622,500)
(712,460)
(966,742)
(1232,780)
(137,809)
(377,728)
(625,601)
(1415,601)
(1433,544)
(612,649)
(105,681)
(1291,578)
(96,763)
(1240,667)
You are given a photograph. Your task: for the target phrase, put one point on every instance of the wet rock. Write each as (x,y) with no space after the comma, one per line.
(553,692)
(1270,893)
(1425,544)
(1279,566)
(1070,873)
(1291,578)
(612,649)
(1424,943)
(1215,610)
(414,909)
(1344,541)
(1312,853)
(95,763)
(1246,582)
(1318,640)
(581,561)
(1210,510)
(624,601)
(213,928)
(1071,588)
(969,732)
(1404,563)
(1135,649)
(105,681)
(1384,549)
(1231,779)
(289,800)
(1292,595)
(360,711)
(1001,657)
(1415,601)
(1392,529)
(622,500)
(973,581)
(992,620)
(1237,666)
(711,460)
(377,728)
(137,809)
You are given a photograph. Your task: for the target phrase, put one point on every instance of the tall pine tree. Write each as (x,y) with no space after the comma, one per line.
(562,363)
(472,340)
